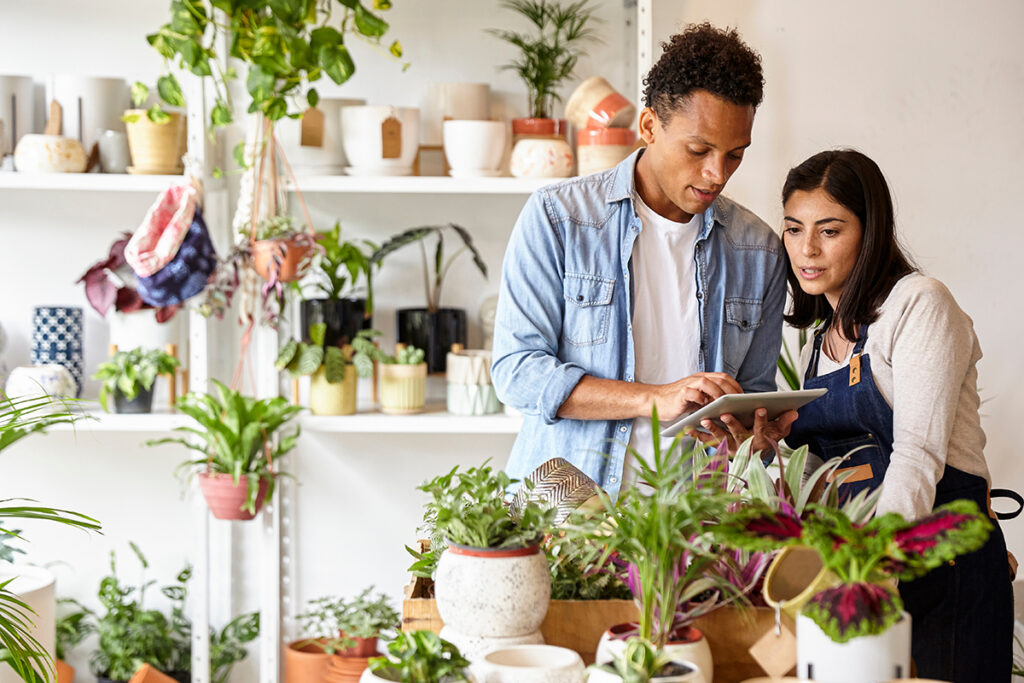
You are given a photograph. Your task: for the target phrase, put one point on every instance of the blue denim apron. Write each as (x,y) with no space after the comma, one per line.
(962,612)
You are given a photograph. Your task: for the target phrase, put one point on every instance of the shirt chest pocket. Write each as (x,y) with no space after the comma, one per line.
(588,304)
(742,317)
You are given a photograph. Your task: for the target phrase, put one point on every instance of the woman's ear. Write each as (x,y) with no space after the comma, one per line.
(648,125)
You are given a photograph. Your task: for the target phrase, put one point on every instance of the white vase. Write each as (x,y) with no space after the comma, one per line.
(531,664)
(864,659)
(485,594)
(694,650)
(36,587)
(363,139)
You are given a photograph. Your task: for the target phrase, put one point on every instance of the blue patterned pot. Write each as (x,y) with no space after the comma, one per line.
(57,338)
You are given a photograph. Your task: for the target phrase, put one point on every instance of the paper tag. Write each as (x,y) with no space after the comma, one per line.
(391,138)
(855,370)
(312,134)
(775,651)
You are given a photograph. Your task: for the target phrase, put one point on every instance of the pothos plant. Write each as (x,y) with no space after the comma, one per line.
(863,556)
(131,372)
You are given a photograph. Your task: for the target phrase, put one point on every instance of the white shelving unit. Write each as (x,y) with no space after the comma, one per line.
(89,182)
(418,185)
(98,421)
(433,420)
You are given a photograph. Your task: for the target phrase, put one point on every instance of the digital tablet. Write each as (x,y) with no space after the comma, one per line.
(742,407)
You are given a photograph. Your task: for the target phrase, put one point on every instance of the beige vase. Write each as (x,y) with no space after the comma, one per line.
(403,388)
(156,147)
(333,399)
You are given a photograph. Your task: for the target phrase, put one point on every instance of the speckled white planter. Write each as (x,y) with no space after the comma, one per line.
(485,594)
(474,648)
(531,664)
(472,399)
(694,650)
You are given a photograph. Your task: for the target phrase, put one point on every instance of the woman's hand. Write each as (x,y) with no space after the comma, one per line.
(766,434)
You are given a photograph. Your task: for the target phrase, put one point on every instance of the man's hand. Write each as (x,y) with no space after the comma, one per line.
(691,393)
(766,434)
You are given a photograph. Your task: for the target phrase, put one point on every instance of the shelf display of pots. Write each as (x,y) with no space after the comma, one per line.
(880,657)
(281,259)
(490,598)
(325,158)
(474,148)
(531,664)
(156,148)
(380,140)
(433,331)
(470,391)
(689,646)
(344,318)
(403,388)
(225,498)
(327,398)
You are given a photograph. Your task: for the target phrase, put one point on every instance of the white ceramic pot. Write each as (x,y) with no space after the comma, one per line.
(493,593)
(452,101)
(474,647)
(474,148)
(140,329)
(865,659)
(50,379)
(36,587)
(531,664)
(362,139)
(329,157)
(17,110)
(472,399)
(694,649)
(38,153)
(471,366)
(541,158)
(692,676)
(89,105)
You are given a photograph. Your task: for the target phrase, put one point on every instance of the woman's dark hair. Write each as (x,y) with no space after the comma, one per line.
(855,181)
(703,57)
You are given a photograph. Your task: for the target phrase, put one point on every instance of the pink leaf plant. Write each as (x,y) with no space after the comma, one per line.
(109,284)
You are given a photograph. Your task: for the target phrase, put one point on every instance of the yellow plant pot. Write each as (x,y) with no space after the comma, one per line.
(333,399)
(156,147)
(403,388)
(794,577)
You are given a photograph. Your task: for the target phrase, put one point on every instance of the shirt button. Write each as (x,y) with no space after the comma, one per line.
(629,378)
(613,479)
(622,428)
(700,295)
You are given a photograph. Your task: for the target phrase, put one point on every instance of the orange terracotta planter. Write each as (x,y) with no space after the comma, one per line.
(147,674)
(225,498)
(65,672)
(285,257)
(305,662)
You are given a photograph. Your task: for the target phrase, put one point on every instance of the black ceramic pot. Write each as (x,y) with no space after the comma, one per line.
(433,332)
(343,317)
(142,403)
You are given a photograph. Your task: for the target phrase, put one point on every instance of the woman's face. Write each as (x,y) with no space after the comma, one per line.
(822,238)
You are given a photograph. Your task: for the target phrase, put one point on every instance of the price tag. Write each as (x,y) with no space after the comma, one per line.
(775,651)
(312,134)
(391,138)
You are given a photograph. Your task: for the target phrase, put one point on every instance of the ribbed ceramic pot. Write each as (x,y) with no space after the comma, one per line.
(472,366)
(472,399)
(57,338)
(156,148)
(689,645)
(326,398)
(225,498)
(403,388)
(880,657)
(493,592)
(531,664)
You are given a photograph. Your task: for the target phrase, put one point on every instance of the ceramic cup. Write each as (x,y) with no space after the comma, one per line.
(474,147)
(362,138)
(114,154)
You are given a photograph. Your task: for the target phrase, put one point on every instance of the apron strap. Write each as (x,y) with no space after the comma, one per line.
(1012,495)
(812,367)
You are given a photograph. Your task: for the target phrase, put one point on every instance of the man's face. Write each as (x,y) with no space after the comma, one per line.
(691,157)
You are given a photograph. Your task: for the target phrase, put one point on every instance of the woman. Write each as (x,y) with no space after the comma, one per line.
(898,357)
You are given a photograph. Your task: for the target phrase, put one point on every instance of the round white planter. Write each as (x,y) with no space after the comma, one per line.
(531,664)
(486,597)
(696,651)
(329,157)
(362,139)
(866,659)
(36,587)
(694,676)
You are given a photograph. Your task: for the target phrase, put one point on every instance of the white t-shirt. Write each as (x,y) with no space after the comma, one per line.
(666,326)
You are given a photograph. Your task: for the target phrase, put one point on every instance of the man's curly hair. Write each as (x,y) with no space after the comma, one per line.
(703,57)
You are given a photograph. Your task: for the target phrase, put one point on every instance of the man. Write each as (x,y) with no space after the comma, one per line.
(641,286)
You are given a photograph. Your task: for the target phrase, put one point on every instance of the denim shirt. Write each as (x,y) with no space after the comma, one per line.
(565,306)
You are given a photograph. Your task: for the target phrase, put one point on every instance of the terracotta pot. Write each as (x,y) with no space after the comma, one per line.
(364,647)
(65,672)
(156,147)
(598,149)
(285,257)
(540,127)
(403,388)
(596,104)
(225,498)
(339,398)
(346,668)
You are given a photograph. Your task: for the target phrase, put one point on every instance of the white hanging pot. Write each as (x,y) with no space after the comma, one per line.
(36,587)
(864,659)
(690,646)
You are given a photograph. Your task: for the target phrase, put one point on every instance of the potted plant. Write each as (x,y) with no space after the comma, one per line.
(281,251)
(492,584)
(342,636)
(342,274)
(403,377)
(71,630)
(129,376)
(641,662)
(865,558)
(332,386)
(432,328)
(419,657)
(236,440)
(156,138)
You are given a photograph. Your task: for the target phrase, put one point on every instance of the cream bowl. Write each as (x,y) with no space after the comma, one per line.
(474,146)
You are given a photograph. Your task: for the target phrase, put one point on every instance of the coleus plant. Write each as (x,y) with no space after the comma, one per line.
(108,284)
(865,557)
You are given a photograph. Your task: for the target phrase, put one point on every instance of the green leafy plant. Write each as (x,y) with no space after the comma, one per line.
(131,372)
(170,93)
(788,367)
(235,436)
(300,358)
(366,352)
(639,662)
(432,286)
(333,624)
(469,508)
(420,657)
(283,44)
(275,228)
(227,646)
(72,628)
(863,556)
(548,55)
(339,267)
(572,578)
(20,418)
